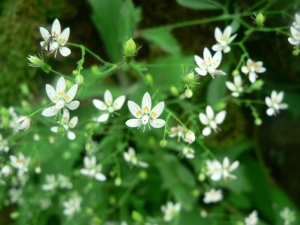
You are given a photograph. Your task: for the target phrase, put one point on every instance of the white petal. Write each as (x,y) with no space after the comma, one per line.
(134,109)
(216,176)
(51,93)
(198,60)
(217,47)
(201,71)
(218,33)
(207,56)
(210,112)
(293,41)
(61,85)
(66,116)
(71,135)
(146,102)
(100,177)
(108,97)
(133,122)
(73,122)
(227,31)
(268,101)
(230,86)
(54,129)
(157,123)
(64,51)
(234,166)
(226,163)
(103,118)
(99,104)
(245,69)
(63,38)
(71,93)
(118,103)
(157,110)
(270,111)
(252,77)
(217,59)
(206,131)
(203,118)
(73,105)
(295,32)
(60,104)
(220,117)
(280,96)
(50,111)
(45,33)
(56,29)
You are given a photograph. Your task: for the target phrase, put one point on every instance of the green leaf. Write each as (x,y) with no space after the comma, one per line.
(199,4)
(136,216)
(163,38)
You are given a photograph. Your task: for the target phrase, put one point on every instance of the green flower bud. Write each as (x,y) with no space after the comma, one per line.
(220,106)
(61,129)
(75,72)
(149,78)
(174,91)
(112,200)
(137,217)
(255,86)
(260,19)
(201,177)
(235,73)
(129,48)
(5,122)
(46,68)
(163,143)
(258,121)
(189,77)
(188,93)
(79,79)
(143,175)
(118,181)
(196,193)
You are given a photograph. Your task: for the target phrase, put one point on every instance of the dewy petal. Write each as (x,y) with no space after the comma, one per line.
(108,97)
(203,118)
(157,110)
(217,59)
(134,109)
(210,112)
(45,33)
(73,122)
(119,102)
(50,111)
(73,105)
(133,123)
(99,104)
(220,117)
(71,135)
(71,93)
(206,131)
(61,85)
(56,29)
(51,93)
(63,38)
(146,102)
(157,123)
(103,118)
(64,51)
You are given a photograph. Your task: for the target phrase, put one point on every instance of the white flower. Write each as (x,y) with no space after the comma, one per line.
(177,131)
(295,40)
(51,183)
(296,24)
(60,97)
(170,210)
(235,87)
(210,120)
(21,163)
(58,39)
(72,205)
(131,158)
(6,170)
(64,182)
(274,103)
(213,196)
(188,152)
(3,145)
(67,124)
(209,64)
(288,216)
(252,68)
(252,219)
(15,195)
(216,170)
(223,39)
(145,115)
(91,169)
(189,137)
(24,122)
(109,106)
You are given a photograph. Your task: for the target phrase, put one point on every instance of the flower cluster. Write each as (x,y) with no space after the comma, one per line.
(60,181)
(295,31)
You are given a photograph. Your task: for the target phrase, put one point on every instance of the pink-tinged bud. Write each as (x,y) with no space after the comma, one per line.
(24,122)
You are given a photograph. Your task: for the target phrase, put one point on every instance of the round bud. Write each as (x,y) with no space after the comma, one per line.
(163,143)
(260,19)
(129,48)
(174,91)
(258,121)
(189,77)
(149,78)
(188,93)
(79,79)
(75,72)
(235,73)
(143,175)
(201,177)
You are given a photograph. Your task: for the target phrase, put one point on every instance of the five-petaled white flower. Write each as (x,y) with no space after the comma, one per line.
(210,120)
(209,64)
(91,169)
(72,205)
(145,115)
(274,103)
(67,124)
(213,196)
(288,216)
(252,219)
(177,131)
(131,158)
(56,40)
(252,68)
(60,97)
(236,87)
(216,170)
(295,40)
(170,210)
(223,39)
(110,106)
(21,163)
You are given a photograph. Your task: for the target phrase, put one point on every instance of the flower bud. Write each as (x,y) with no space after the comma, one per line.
(189,77)
(75,72)
(163,143)
(79,79)
(129,49)
(24,122)
(201,177)
(118,181)
(189,137)
(258,121)
(188,93)
(174,91)
(255,86)
(235,73)
(143,175)
(149,78)
(260,19)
